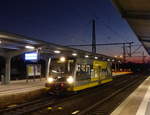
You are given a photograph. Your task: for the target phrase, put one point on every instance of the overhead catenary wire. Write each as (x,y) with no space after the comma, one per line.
(101,44)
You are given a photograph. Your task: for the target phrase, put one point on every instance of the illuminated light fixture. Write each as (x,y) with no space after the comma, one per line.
(0,41)
(54,71)
(115,56)
(70,80)
(108,59)
(62,59)
(74,54)
(50,80)
(96,57)
(40,48)
(29,47)
(57,51)
(113,60)
(121,56)
(119,61)
(86,56)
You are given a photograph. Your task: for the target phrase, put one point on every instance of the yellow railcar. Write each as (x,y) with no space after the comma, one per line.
(74,74)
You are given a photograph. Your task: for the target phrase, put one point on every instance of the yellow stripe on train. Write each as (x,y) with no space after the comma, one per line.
(81,87)
(105,81)
(77,88)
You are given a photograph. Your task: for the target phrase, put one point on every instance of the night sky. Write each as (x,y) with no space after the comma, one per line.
(66,22)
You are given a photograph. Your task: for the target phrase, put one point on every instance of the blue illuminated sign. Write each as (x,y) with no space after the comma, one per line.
(31,56)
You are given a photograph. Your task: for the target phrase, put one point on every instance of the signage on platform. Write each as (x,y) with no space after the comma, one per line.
(31,56)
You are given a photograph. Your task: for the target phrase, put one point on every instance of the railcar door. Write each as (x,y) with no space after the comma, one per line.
(97,71)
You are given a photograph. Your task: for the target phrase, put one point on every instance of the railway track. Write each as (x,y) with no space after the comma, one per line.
(29,107)
(35,106)
(82,102)
(102,107)
(26,107)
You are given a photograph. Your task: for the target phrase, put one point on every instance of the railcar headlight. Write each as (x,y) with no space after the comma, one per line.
(50,80)
(70,80)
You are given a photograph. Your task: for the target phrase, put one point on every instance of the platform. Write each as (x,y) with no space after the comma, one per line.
(137,103)
(20,91)
(21,86)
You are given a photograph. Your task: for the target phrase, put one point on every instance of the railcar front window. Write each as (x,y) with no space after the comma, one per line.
(61,69)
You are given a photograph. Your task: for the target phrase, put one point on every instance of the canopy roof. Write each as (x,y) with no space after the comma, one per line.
(14,42)
(137,14)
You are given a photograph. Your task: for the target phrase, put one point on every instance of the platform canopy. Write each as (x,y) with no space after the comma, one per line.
(137,14)
(10,42)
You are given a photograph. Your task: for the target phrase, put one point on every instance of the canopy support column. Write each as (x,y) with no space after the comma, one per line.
(7,70)
(48,61)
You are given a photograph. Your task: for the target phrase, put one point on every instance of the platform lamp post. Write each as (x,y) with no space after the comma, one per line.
(117,63)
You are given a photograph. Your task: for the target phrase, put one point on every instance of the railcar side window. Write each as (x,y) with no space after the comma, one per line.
(71,66)
(83,72)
